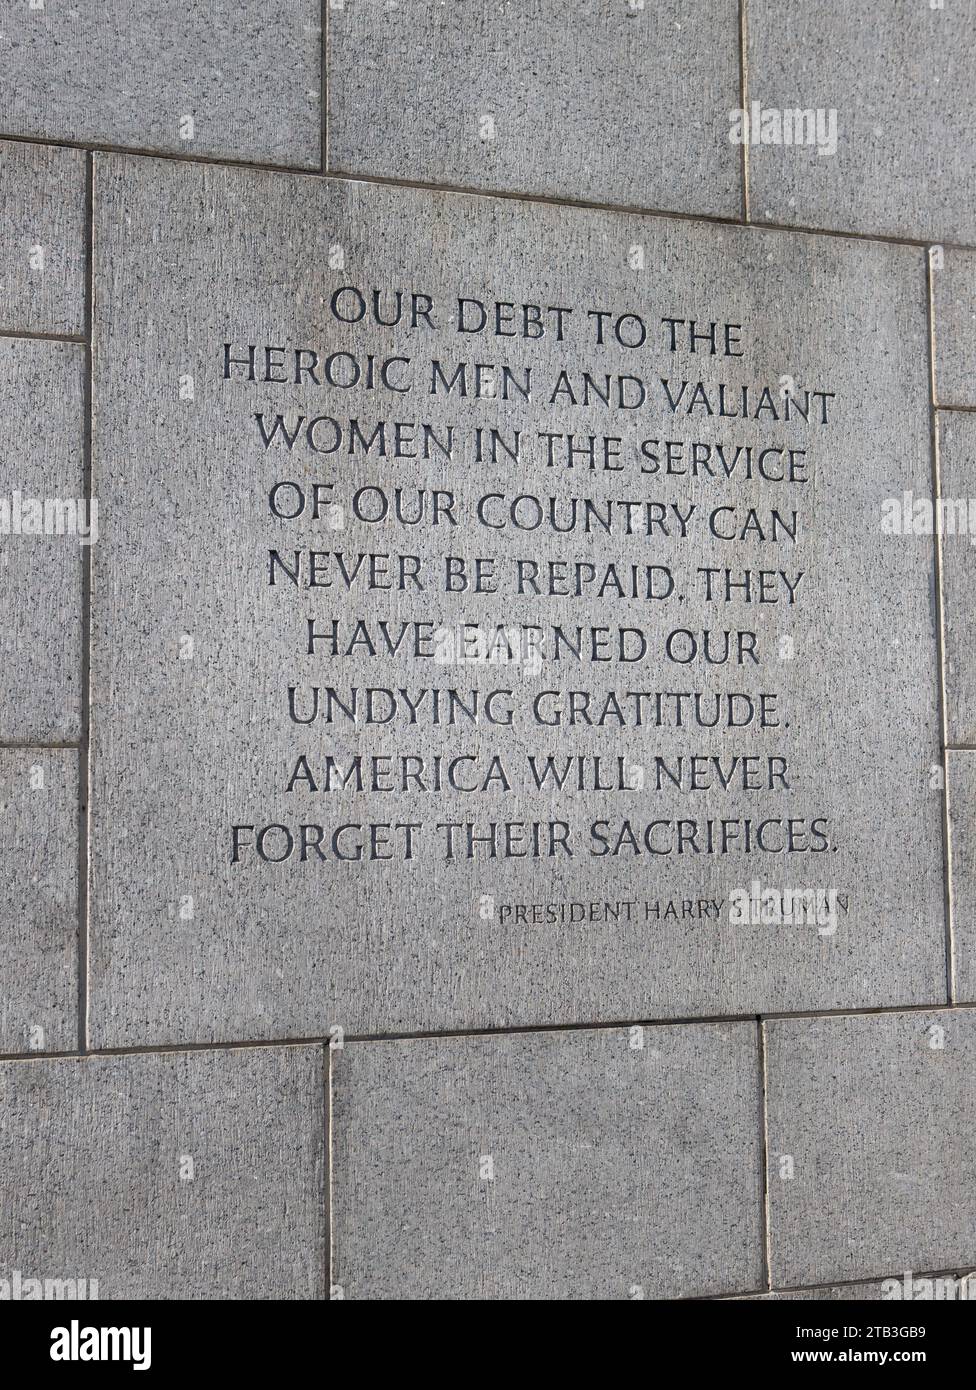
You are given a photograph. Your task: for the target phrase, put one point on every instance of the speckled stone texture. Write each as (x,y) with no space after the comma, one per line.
(41,459)
(183,1175)
(957,469)
(876,1114)
(42,239)
(961,786)
(576,1165)
(236,79)
(193,650)
(954,312)
(614,104)
(898,73)
(39,900)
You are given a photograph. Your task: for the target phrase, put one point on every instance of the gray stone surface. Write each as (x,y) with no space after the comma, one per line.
(623,104)
(876,1113)
(181,1175)
(954,309)
(957,469)
(899,77)
(235,79)
(961,780)
(42,239)
(41,461)
(194,650)
(39,904)
(549,1166)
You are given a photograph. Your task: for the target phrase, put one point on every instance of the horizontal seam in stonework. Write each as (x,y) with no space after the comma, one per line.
(530,1030)
(939,405)
(840,1283)
(43,337)
(543,199)
(29,745)
(144,153)
(632,210)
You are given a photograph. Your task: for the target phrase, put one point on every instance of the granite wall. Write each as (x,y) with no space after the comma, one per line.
(487,689)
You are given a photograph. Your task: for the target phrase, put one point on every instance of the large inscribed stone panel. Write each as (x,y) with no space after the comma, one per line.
(498,619)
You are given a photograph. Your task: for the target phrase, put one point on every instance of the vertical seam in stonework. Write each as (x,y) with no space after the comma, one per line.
(84,798)
(940,635)
(329,1218)
(744,104)
(324,86)
(764,1175)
